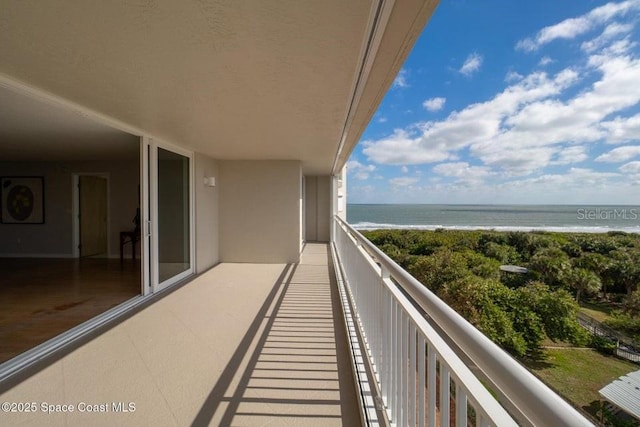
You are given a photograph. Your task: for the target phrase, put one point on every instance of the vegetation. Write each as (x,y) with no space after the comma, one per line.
(522,311)
(627,319)
(578,374)
(534,315)
(598,310)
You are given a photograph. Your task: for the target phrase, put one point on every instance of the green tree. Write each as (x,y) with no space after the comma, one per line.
(482,266)
(584,281)
(456,269)
(557,310)
(504,253)
(624,269)
(596,263)
(596,243)
(440,268)
(552,266)
(632,304)
(484,303)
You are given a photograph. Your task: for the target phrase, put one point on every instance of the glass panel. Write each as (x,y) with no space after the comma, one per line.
(174,254)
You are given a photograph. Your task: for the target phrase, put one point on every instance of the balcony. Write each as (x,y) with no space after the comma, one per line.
(266,344)
(242,344)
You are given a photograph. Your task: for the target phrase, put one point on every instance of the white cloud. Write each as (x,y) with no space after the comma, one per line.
(403,181)
(574,27)
(622,129)
(524,128)
(434,104)
(471,64)
(401,79)
(610,32)
(575,154)
(632,168)
(463,171)
(574,180)
(577,120)
(358,170)
(478,124)
(618,48)
(382,120)
(404,169)
(513,76)
(620,154)
(575,186)
(565,188)
(545,61)
(401,149)
(517,161)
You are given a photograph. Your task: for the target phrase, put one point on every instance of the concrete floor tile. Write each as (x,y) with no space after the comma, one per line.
(237,345)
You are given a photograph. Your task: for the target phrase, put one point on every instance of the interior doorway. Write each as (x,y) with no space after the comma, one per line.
(92,213)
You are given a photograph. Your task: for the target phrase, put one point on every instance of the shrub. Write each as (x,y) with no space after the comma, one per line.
(602,345)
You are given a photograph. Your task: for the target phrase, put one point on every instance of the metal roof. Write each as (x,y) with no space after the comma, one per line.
(624,392)
(514,269)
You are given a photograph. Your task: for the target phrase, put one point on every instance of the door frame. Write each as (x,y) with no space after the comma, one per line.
(149,213)
(75,211)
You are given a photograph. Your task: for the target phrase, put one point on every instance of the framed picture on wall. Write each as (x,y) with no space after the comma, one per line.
(22,199)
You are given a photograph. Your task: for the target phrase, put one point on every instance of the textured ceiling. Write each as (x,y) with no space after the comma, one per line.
(33,130)
(233,80)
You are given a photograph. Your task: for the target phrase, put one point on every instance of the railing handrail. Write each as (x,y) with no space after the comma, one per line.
(535,403)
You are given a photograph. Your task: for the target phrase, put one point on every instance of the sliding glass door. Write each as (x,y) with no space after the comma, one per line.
(170,215)
(174,215)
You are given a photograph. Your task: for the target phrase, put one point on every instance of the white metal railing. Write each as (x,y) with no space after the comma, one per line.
(421,378)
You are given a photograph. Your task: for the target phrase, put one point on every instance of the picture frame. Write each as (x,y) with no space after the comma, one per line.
(22,200)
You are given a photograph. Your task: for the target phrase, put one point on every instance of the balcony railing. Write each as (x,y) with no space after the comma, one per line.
(423,354)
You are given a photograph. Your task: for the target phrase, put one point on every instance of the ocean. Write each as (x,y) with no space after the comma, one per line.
(566,218)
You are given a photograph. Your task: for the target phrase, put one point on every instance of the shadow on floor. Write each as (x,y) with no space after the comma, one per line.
(292,366)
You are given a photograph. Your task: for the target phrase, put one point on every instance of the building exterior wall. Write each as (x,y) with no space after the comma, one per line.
(317,208)
(259,208)
(310,209)
(324,207)
(206,215)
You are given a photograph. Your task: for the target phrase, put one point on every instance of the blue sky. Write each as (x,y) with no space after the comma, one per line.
(505,101)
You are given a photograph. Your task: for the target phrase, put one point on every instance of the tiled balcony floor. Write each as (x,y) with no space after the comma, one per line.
(243,344)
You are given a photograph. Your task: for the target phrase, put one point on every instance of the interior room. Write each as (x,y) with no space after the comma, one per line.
(69,220)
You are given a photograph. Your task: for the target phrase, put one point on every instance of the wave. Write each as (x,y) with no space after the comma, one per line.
(367,226)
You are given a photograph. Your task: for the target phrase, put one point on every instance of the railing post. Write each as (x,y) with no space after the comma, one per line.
(411,398)
(432,389)
(445,393)
(461,405)
(404,357)
(386,362)
(421,379)
(393,352)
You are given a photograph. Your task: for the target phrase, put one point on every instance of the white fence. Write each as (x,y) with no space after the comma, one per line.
(421,378)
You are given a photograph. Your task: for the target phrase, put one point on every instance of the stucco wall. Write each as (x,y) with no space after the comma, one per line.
(310,208)
(207,218)
(317,208)
(260,211)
